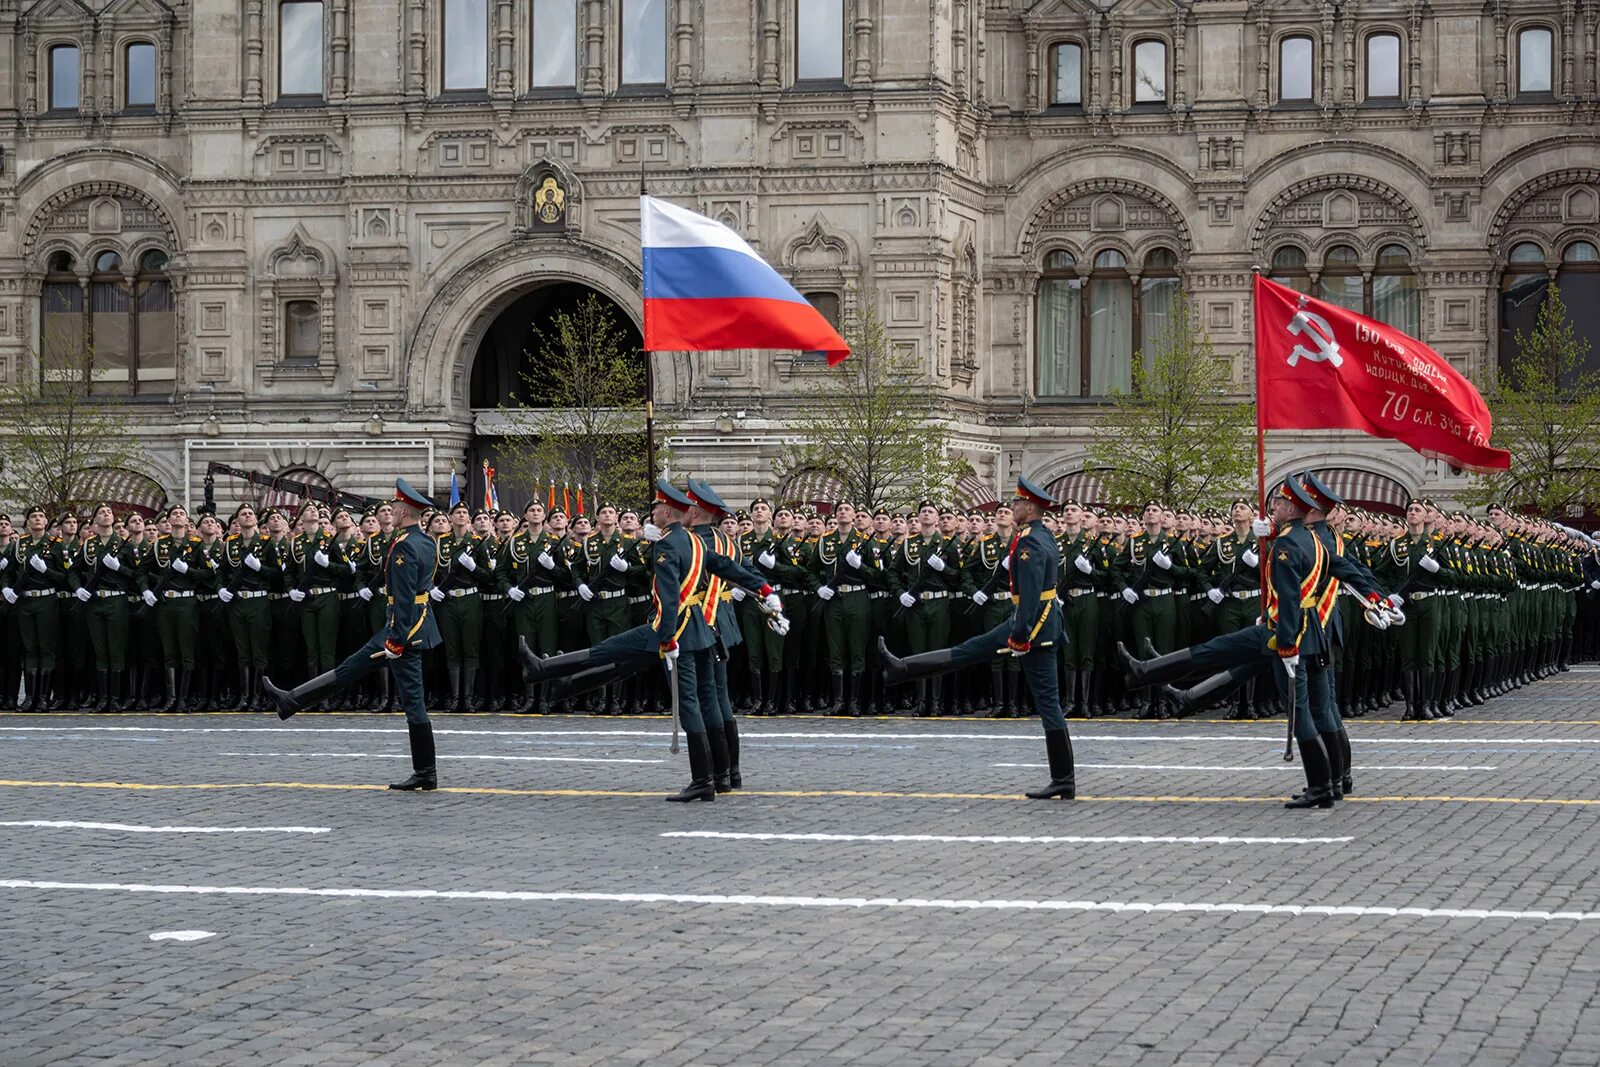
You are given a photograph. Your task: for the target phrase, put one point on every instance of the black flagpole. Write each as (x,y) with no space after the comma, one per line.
(649,369)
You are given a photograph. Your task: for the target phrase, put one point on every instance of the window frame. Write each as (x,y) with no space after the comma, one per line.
(1301,272)
(1350,269)
(1380,269)
(809,81)
(1367,95)
(1052,64)
(1165,101)
(1550,58)
(469,91)
(50,78)
(643,87)
(321,94)
(1311,88)
(560,89)
(1069,274)
(285,357)
(126,54)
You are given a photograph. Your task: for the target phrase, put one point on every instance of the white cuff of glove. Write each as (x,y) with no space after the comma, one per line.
(651,532)
(980,598)
(1429,564)
(738,595)
(112,563)
(11,597)
(585,592)
(1261,527)
(547,561)
(253,563)
(771,604)
(618,564)
(148,597)
(1214,595)
(320,559)
(1250,558)
(907,600)
(297,595)
(180,566)
(853,558)
(436,593)
(937,563)
(469,563)
(364,593)
(1083,564)
(825,592)
(1162,560)
(1130,596)
(38,564)
(516,593)
(1006,563)
(225,595)
(1396,599)
(767,560)
(83,593)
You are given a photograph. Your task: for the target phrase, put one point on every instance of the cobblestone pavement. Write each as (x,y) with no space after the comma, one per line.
(880,894)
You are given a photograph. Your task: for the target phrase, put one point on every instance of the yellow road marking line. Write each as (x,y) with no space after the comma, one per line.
(803,793)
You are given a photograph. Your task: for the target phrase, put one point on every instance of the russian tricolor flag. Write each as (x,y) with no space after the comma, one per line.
(705,290)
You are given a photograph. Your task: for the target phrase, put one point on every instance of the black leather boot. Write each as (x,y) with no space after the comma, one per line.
(1189,701)
(836,688)
(897,669)
(102,691)
(172,690)
(1063,778)
(718,741)
(700,786)
(1346,784)
(113,691)
(858,694)
(1156,669)
(30,681)
(730,734)
(423,775)
(772,689)
(758,692)
(246,688)
(306,694)
(1242,710)
(457,701)
(1336,764)
(537,668)
(1319,786)
(935,704)
(997,691)
(1413,689)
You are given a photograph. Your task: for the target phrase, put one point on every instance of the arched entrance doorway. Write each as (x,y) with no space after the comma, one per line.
(556,389)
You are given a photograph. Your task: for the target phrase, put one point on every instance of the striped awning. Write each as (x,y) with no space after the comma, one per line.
(1363,489)
(973,493)
(124,490)
(813,487)
(1085,488)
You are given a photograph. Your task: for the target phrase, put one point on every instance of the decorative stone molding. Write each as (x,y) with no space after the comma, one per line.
(1107,205)
(1340,191)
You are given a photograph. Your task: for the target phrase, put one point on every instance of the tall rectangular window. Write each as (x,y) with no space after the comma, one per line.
(1534,73)
(555,44)
(300,48)
(644,42)
(1294,68)
(140,74)
(466,45)
(819,40)
(1149,72)
(1066,86)
(64,77)
(1383,67)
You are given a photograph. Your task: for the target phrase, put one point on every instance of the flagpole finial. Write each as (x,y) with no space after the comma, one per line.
(641,178)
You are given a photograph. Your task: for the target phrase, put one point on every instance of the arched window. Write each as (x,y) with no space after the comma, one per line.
(123,342)
(1383,66)
(1341,281)
(555,44)
(300,49)
(1522,290)
(1579,281)
(1150,72)
(139,75)
(1535,60)
(465,27)
(62,333)
(63,70)
(110,323)
(819,40)
(1059,357)
(1295,69)
(155,351)
(1110,325)
(1396,299)
(644,42)
(302,331)
(1289,268)
(1066,75)
(1160,294)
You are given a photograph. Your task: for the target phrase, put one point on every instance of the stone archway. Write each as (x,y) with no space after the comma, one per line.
(504,366)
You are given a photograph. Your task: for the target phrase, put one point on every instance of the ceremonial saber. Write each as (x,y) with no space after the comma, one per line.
(1294,710)
(672,687)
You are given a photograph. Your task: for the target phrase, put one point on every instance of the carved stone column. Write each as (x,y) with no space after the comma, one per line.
(1118,32)
(1096,46)
(1569,31)
(861,76)
(1591,14)
(770,72)
(1325,91)
(593,42)
(416,49)
(960,15)
(1263,57)
(504,48)
(683,46)
(1414,51)
(164,87)
(1347,24)
(339,50)
(30,74)
(1180,63)
(90,101)
(1036,102)
(1500,52)
(252,52)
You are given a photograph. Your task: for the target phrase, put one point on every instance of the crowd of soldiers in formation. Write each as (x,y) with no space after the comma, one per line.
(117,613)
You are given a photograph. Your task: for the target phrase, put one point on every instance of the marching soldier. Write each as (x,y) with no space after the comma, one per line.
(1419,578)
(1153,573)
(499,690)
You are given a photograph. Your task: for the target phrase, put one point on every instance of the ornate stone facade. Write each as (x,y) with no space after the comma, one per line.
(342,251)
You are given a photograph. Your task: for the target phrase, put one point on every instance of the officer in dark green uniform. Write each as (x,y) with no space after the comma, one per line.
(1085,570)
(928,574)
(846,611)
(1413,570)
(39,567)
(250,565)
(370,552)
(985,565)
(763,648)
(408,630)
(602,566)
(498,663)
(313,589)
(216,644)
(537,561)
(176,569)
(1153,575)
(104,576)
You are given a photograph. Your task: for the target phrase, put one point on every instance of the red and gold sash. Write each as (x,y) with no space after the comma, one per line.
(686,588)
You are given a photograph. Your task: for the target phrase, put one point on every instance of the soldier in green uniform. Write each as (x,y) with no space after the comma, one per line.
(462,557)
(368,552)
(250,566)
(792,569)
(313,589)
(537,563)
(69,686)
(846,611)
(1085,570)
(216,644)
(763,647)
(103,576)
(602,565)
(1234,575)
(1152,574)
(39,567)
(352,614)
(10,641)
(174,577)
(928,574)
(645,691)
(986,605)
(1419,577)
(499,687)
(285,642)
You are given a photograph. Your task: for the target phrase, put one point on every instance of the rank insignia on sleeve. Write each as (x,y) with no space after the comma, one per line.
(661,558)
(1283,557)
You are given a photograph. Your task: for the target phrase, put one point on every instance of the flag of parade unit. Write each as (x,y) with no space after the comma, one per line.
(1321,367)
(491,498)
(706,290)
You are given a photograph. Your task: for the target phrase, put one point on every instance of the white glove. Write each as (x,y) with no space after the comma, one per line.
(1130,596)
(148,597)
(5,561)
(1395,599)
(1250,558)
(516,593)
(771,604)
(1378,620)
(779,624)
(364,593)
(389,653)
(112,563)
(1261,527)
(1397,617)
(1595,584)
(546,561)
(180,566)
(1006,563)
(297,595)
(1162,560)
(468,562)
(585,592)
(1214,595)
(980,598)
(670,660)
(436,594)
(651,532)
(251,562)
(853,558)
(936,562)
(1289,664)
(320,558)
(618,564)
(825,592)
(1427,563)
(225,595)
(492,563)
(738,595)
(83,594)
(1083,564)
(38,564)
(11,598)
(767,560)
(351,564)
(907,600)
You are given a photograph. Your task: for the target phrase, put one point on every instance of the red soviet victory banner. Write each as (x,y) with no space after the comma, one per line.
(1320,367)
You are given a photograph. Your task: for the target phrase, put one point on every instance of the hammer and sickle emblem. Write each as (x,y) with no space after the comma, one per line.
(1314,328)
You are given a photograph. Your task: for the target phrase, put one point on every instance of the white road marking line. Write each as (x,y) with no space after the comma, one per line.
(182,935)
(402,755)
(754,900)
(1263,767)
(998,840)
(130,828)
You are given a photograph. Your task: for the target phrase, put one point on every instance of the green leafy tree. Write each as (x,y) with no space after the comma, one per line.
(63,429)
(873,422)
(1546,407)
(589,427)
(1175,437)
